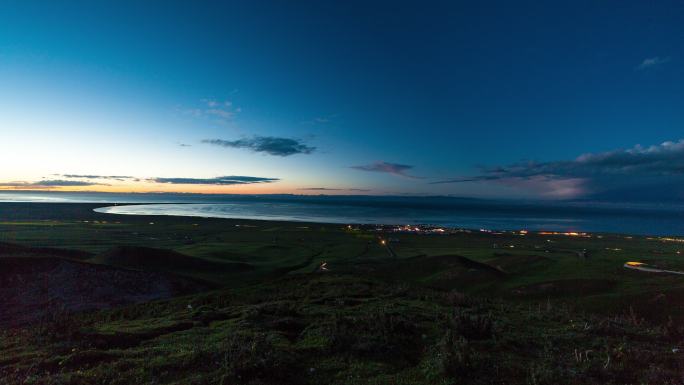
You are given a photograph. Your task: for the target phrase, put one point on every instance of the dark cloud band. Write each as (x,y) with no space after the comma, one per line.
(386,167)
(91,176)
(333,189)
(50,183)
(266,144)
(223,180)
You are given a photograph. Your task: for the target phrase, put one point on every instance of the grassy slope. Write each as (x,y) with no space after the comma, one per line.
(340,329)
(357,324)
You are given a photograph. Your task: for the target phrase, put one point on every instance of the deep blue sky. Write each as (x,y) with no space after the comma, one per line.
(377,97)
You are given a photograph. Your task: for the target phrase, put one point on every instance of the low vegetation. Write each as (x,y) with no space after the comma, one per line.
(340,329)
(438,310)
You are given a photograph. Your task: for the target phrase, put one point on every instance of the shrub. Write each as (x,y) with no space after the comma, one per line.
(450,359)
(375,334)
(472,326)
(254,357)
(456,298)
(56,325)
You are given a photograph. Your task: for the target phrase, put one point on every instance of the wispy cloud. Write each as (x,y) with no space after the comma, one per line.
(589,173)
(93,180)
(222,111)
(65,183)
(386,167)
(49,183)
(333,189)
(652,62)
(266,144)
(546,186)
(91,176)
(320,119)
(222,180)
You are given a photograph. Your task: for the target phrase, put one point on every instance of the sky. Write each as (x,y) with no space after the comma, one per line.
(486,99)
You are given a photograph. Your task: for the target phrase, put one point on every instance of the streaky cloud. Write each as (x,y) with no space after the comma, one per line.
(50,183)
(652,62)
(91,176)
(222,180)
(386,167)
(333,189)
(222,111)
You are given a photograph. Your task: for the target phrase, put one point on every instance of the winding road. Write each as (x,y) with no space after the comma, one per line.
(649,269)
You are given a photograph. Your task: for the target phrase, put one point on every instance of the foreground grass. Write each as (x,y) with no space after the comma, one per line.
(465,308)
(340,329)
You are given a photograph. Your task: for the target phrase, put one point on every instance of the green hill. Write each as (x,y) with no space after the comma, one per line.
(328,328)
(442,271)
(147,258)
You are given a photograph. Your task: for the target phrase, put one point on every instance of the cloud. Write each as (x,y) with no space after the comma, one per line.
(653,62)
(223,111)
(333,189)
(545,186)
(385,167)
(222,180)
(90,176)
(54,183)
(65,183)
(49,183)
(225,114)
(320,119)
(589,173)
(184,145)
(266,144)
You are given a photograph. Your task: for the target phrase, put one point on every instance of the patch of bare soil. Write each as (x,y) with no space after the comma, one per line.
(32,287)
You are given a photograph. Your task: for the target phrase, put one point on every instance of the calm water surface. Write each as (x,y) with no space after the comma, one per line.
(442,211)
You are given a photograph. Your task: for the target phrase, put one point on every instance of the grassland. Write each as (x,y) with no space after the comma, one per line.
(468,307)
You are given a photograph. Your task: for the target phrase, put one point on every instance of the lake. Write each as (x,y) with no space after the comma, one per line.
(441,211)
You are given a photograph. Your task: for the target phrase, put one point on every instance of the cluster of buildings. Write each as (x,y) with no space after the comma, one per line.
(440,230)
(670,239)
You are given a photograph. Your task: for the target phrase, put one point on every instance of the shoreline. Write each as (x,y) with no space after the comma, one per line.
(95,210)
(536,226)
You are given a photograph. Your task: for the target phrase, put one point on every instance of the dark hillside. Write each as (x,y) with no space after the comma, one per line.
(327,328)
(32,288)
(147,258)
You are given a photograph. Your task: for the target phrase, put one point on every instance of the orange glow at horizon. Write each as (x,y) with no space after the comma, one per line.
(253,188)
